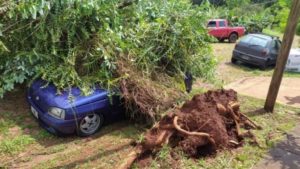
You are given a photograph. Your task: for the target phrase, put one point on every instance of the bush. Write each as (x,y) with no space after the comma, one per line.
(298,29)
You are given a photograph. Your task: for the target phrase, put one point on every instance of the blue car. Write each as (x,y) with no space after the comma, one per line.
(71,112)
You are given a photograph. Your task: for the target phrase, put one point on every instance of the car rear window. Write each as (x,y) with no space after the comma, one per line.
(252,40)
(246,39)
(259,41)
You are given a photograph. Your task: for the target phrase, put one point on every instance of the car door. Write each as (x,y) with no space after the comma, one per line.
(212,28)
(294,58)
(222,29)
(274,50)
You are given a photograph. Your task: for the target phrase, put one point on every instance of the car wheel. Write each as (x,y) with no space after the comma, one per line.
(90,124)
(221,40)
(263,66)
(233,37)
(233,60)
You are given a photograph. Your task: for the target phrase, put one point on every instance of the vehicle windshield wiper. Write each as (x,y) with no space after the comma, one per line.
(254,45)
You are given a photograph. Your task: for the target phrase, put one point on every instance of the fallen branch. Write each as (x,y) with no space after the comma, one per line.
(132,156)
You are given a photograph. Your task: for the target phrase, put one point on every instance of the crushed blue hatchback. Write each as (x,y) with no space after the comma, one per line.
(71,112)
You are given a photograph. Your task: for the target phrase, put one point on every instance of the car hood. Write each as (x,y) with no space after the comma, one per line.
(47,96)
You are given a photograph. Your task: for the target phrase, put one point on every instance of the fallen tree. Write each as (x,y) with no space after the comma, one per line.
(143,47)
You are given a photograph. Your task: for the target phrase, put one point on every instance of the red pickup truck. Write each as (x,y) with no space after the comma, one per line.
(219,28)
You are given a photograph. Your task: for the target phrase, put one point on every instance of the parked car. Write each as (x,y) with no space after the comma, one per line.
(257,49)
(293,62)
(70,111)
(219,29)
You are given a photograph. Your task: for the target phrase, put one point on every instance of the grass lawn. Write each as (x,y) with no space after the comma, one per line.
(24,144)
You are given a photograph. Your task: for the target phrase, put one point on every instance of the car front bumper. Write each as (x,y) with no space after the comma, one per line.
(51,124)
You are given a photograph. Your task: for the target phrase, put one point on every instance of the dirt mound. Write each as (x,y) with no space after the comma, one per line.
(203,125)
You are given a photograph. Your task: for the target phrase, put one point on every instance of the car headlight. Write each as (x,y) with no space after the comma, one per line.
(57,112)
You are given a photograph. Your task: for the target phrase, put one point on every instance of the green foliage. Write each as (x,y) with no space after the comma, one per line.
(77,43)
(172,38)
(254,17)
(298,29)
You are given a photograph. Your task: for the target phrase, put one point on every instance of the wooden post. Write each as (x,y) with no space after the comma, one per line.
(283,55)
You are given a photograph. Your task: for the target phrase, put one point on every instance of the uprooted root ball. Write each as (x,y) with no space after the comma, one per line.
(203,125)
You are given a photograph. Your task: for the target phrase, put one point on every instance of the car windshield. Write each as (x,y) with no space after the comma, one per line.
(246,39)
(255,41)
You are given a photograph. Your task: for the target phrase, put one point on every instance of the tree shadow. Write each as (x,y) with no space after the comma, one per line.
(248,67)
(94,157)
(293,100)
(285,154)
(257,112)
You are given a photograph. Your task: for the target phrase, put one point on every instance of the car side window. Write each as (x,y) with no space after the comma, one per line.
(212,24)
(222,24)
(276,44)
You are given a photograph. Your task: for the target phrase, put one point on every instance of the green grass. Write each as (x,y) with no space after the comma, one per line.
(17,144)
(273,32)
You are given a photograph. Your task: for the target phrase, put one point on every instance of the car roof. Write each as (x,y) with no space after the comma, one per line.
(216,20)
(263,36)
(295,51)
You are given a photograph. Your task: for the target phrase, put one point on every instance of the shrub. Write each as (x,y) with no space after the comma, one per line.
(298,29)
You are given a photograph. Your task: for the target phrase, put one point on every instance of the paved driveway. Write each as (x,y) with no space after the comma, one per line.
(289,92)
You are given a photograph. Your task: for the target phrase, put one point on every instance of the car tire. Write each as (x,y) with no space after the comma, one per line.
(233,38)
(90,124)
(233,60)
(264,66)
(221,40)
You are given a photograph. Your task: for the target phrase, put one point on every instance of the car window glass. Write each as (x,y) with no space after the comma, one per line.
(222,24)
(246,39)
(258,42)
(278,44)
(212,24)
(274,44)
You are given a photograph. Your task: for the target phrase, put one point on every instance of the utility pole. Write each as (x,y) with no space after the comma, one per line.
(283,55)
